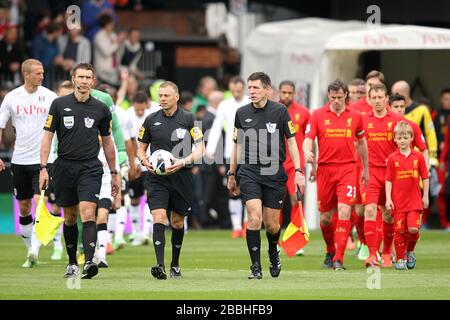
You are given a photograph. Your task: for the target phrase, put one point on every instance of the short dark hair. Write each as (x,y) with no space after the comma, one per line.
(357,82)
(236,79)
(445,91)
(287,83)
(396,97)
(264,78)
(53,27)
(140,97)
(337,85)
(185,97)
(84,66)
(105,19)
(65,84)
(131,29)
(376,74)
(378,87)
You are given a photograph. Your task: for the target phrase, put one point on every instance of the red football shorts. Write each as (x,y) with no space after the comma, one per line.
(375,191)
(335,184)
(406,219)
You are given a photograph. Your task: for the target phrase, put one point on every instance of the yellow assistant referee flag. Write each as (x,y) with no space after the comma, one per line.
(46,224)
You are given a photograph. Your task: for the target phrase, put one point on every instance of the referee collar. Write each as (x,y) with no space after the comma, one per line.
(255,109)
(173,115)
(78,101)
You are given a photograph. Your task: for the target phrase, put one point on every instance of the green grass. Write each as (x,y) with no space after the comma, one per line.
(216,267)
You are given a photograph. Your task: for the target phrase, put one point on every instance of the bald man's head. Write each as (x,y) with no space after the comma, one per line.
(401,87)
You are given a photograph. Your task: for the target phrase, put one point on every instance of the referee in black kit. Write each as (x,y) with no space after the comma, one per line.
(260,131)
(171,129)
(78,119)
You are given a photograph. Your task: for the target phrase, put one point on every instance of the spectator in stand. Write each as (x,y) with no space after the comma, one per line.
(206,86)
(91,13)
(4,19)
(45,47)
(106,46)
(74,49)
(131,52)
(12,54)
(129,86)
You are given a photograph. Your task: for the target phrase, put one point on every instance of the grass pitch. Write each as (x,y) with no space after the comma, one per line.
(216,267)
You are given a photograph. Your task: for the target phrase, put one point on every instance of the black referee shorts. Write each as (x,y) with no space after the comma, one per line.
(136,186)
(26,180)
(271,190)
(51,188)
(76,181)
(173,193)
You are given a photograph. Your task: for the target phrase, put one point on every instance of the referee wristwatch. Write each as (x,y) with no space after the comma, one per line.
(42,166)
(298,170)
(113,171)
(230,173)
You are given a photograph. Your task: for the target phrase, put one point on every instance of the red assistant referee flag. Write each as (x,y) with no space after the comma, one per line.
(296,235)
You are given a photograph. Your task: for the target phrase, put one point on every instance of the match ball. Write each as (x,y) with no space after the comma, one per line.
(161,160)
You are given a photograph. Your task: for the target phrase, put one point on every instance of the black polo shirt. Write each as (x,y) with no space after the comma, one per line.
(258,129)
(77,125)
(174,133)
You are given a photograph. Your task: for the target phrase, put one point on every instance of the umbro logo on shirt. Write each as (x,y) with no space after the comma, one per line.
(157,123)
(248,120)
(67,109)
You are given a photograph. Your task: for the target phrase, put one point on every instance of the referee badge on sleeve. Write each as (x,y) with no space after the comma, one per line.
(141,133)
(291,127)
(196,133)
(48,122)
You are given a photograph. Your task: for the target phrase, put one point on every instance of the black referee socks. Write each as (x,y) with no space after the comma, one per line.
(89,239)
(71,239)
(273,240)
(159,241)
(177,241)
(254,245)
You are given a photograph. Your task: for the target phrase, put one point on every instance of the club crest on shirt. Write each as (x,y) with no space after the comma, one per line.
(397,164)
(181,133)
(389,125)
(68,122)
(370,125)
(349,122)
(88,122)
(41,99)
(271,127)
(326,122)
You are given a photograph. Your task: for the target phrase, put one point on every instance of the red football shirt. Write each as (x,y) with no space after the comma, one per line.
(300,117)
(405,173)
(380,137)
(362,106)
(335,134)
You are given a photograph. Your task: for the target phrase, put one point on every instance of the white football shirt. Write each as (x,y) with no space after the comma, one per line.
(28,113)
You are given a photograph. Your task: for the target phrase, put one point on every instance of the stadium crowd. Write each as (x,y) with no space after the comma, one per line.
(115,56)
